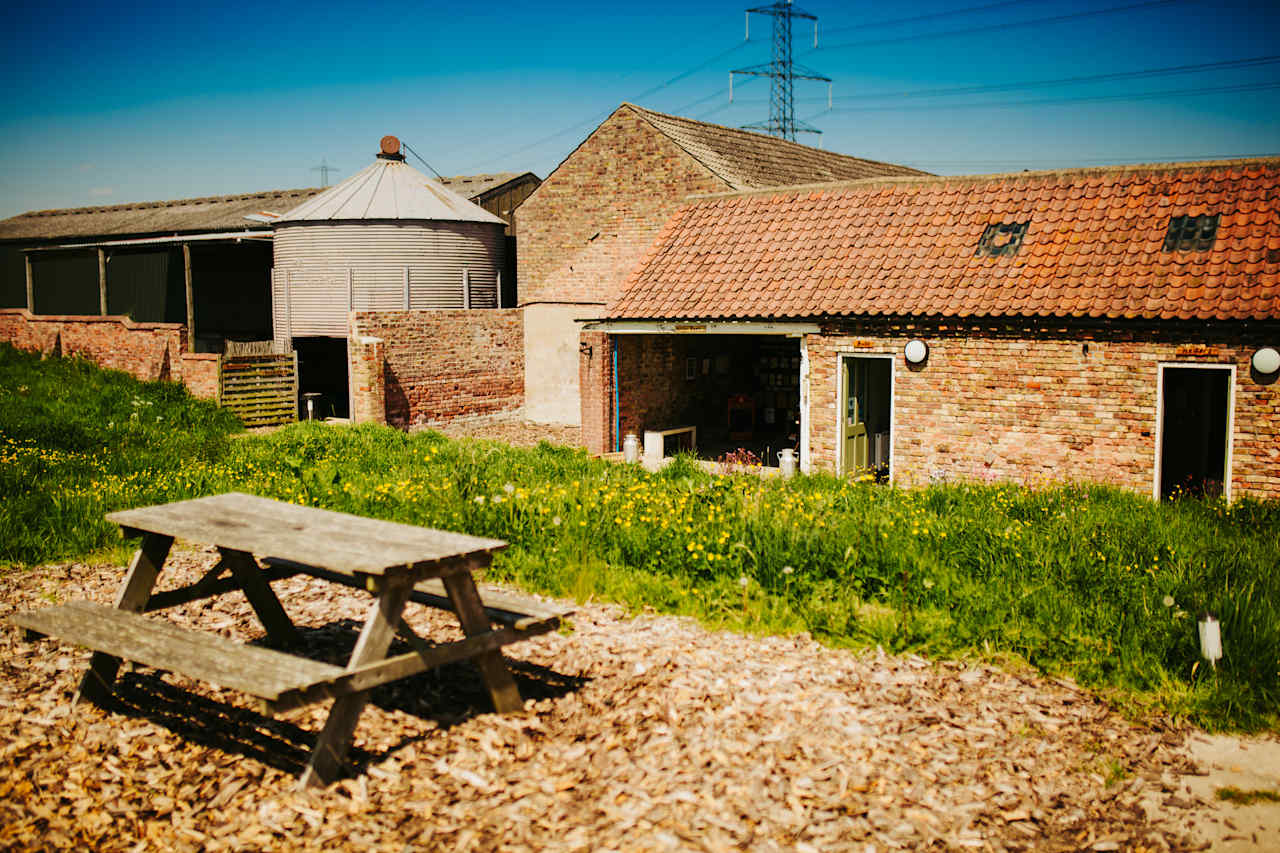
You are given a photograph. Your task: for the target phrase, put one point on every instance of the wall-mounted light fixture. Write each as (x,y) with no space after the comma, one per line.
(1266,361)
(916,351)
(584,349)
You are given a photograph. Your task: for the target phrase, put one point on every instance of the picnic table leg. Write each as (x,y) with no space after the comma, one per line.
(133,595)
(335,739)
(470,610)
(271,613)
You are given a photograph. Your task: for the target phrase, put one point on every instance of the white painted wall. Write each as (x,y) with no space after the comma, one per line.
(551,394)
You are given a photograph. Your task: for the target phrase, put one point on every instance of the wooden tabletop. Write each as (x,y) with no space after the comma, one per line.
(316,537)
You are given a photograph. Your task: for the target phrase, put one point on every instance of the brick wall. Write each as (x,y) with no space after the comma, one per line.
(149,351)
(591,220)
(595,378)
(1033,406)
(442,365)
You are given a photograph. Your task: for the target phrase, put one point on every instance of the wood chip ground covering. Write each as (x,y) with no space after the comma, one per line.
(640,733)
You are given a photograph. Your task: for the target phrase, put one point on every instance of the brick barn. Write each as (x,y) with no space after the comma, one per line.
(592,218)
(1114,325)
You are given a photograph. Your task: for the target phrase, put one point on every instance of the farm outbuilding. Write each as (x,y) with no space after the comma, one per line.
(1112,325)
(587,225)
(155,288)
(162,289)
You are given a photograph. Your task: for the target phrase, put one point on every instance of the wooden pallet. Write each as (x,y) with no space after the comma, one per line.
(262,390)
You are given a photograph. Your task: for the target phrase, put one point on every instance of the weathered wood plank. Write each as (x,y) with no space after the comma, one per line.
(402,666)
(497,678)
(343,543)
(375,638)
(518,611)
(257,671)
(264,602)
(132,598)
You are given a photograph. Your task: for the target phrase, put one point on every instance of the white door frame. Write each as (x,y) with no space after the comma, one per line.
(841,356)
(1231,421)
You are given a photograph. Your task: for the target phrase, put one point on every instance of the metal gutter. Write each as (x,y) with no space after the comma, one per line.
(703,327)
(149,241)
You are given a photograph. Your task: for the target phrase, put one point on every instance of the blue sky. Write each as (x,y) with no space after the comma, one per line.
(112,103)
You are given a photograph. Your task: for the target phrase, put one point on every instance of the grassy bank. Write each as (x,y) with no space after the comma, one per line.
(1087,581)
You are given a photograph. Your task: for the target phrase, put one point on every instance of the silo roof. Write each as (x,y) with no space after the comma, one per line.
(388,189)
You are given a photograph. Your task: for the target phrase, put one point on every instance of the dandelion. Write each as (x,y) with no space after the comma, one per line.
(743,581)
(509,488)
(555,521)
(479,499)
(786,570)
(1167,601)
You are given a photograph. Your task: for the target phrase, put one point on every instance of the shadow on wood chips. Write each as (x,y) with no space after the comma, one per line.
(447,695)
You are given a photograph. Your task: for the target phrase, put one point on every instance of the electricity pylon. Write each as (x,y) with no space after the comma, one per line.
(324,169)
(783,71)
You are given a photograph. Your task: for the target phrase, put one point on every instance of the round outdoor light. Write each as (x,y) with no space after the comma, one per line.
(916,351)
(1266,360)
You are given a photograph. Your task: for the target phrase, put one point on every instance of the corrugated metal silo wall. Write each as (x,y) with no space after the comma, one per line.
(318,266)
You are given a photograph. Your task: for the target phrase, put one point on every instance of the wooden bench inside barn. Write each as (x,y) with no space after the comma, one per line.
(397,564)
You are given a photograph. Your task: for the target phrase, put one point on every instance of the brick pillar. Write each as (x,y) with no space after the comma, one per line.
(595,378)
(368,380)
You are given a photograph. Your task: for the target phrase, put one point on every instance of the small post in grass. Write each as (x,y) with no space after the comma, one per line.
(1210,638)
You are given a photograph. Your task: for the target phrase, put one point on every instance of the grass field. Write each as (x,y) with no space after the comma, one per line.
(1086,581)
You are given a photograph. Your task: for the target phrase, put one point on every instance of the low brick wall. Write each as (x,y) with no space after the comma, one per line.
(438,365)
(149,351)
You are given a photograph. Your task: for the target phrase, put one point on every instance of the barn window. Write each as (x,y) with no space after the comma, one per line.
(1001,238)
(1191,233)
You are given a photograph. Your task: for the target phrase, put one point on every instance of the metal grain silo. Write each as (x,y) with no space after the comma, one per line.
(387,238)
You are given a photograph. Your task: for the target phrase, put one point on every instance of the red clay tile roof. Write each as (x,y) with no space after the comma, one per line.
(906,246)
(747,160)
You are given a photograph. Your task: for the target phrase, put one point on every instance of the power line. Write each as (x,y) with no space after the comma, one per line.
(1061,81)
(419,156)
(1131,96)
(931,16)
(599,117)
(987,28)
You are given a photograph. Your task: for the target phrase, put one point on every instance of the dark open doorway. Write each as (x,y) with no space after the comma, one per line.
(322,371)
(1194,430)
(741,392)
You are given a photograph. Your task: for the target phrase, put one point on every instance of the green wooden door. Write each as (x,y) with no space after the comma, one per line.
(854,424)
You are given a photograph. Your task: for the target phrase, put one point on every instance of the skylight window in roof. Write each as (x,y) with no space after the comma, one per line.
(1191,233)
(1001,238)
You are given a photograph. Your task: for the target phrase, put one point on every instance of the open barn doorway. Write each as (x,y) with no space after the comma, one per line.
(322,377)
(1195,419)
(740,392)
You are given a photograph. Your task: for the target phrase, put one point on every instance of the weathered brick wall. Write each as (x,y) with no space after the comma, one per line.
(199,372)
(595,378)
(1034,406)
(368,379)
(591,220)
(148,351)
(652,393)
(442,365)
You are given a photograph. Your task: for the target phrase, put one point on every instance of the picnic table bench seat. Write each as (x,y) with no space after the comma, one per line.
(280,681)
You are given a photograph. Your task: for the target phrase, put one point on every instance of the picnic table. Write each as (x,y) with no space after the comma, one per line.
(396,563)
